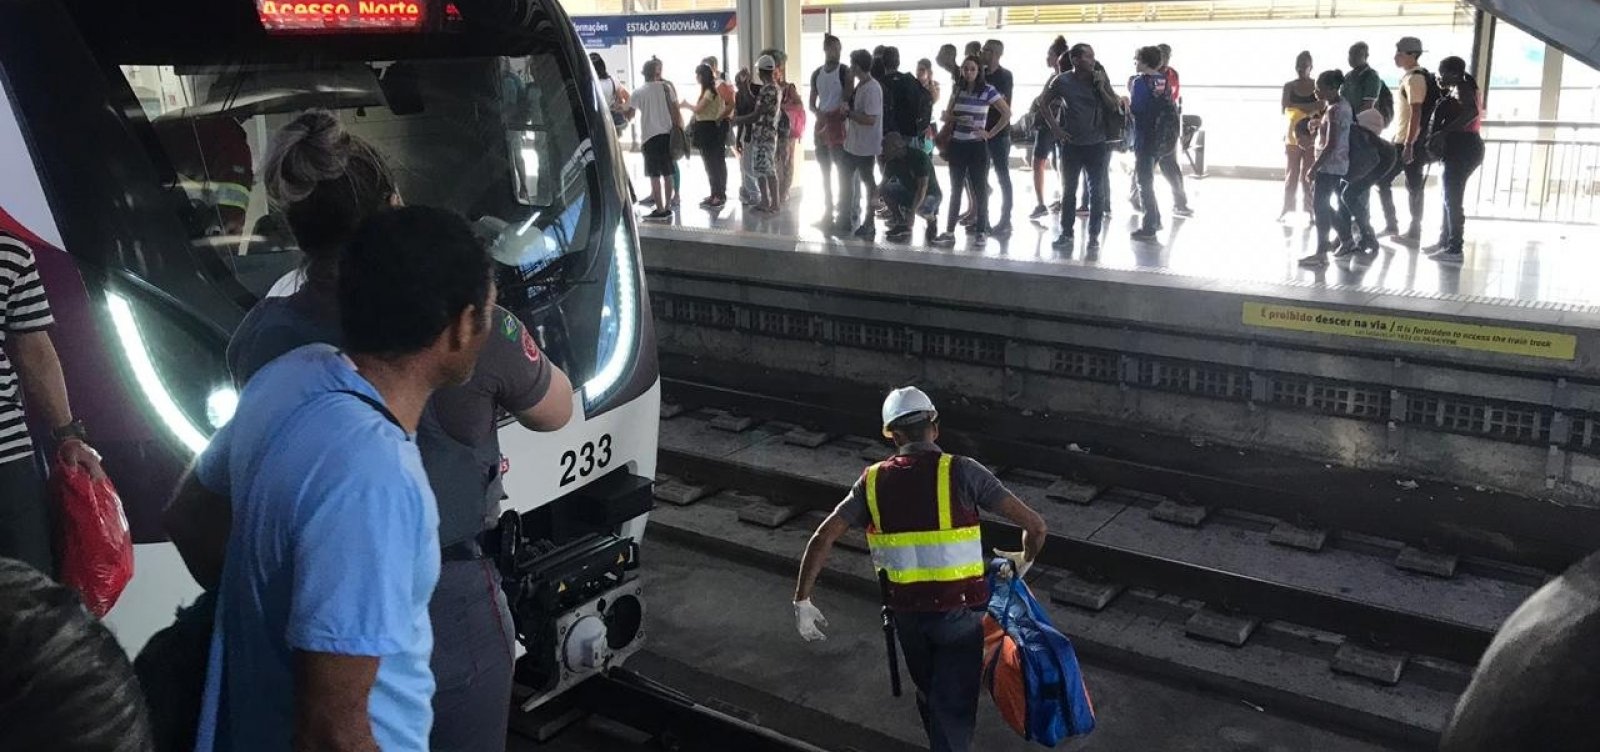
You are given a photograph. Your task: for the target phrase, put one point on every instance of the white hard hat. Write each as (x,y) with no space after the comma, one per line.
(765,62)
(904,401)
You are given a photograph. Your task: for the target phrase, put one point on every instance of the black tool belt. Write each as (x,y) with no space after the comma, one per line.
(470,549)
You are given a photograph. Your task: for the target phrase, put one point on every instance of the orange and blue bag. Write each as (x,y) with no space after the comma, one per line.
(1029,667)
(93,541)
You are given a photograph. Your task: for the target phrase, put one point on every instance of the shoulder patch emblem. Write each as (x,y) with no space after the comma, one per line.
(510,327)
(529,348)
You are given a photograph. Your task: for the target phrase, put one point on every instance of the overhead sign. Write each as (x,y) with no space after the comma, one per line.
(1495,339)
(345,15)
(609,31)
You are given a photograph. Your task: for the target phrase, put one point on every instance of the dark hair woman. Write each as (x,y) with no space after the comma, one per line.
(1044,140)
(1457,142)
(1299,104)
(968,114)
(709,137)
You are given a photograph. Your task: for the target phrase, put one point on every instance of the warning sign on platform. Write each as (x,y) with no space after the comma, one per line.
(1493,339)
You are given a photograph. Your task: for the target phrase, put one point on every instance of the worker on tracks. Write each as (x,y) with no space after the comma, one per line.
(920,510)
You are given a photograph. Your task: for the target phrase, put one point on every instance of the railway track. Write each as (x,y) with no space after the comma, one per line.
(783,473)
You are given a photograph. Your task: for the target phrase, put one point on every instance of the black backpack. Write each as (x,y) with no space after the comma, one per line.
(1430,103)
(1385,104)
(1167,125)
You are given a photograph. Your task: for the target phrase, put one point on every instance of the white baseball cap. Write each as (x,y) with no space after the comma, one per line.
(765,62)
(904,401)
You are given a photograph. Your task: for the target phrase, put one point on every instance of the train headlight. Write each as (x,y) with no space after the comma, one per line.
(619,320)
(144,372)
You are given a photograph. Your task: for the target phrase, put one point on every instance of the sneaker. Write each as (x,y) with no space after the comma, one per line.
(1436,247)
(1093,244)
(708,203)
(1055,207)
(1002,230)
(1182,211)
(866,232)
(977,238)
(647,201)
(1451,256)
(1315,261)
(898,234)
(1390,231)
(1064,240)
(1410,237)
(1039,212)
(943,240)
(659,215)
(1083,211)
(1345,248)
(1143,233)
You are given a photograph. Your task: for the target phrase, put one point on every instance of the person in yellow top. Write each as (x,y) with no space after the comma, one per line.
(1299,104)
(710,138)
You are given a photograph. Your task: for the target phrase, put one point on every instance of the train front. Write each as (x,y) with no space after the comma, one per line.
(144,123)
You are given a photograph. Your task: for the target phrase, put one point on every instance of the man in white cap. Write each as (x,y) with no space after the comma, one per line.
(920,509)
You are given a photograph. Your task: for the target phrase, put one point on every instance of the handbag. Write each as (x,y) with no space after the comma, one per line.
(680,143)
(1030,667)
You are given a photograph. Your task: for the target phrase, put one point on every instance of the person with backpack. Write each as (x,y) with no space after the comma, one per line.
(614,94)
(1419,95)
(905,101)
(1155,118)
(830,89)
(918,507)
(1456,142)
(1044,137)
(1330,167)
(1370,158)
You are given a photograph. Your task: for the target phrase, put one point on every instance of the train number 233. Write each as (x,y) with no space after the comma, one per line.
(592,456)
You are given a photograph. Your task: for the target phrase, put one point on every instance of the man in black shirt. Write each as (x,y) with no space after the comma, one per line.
(904,100)
(910,188)
(1084,97)
(1000,145)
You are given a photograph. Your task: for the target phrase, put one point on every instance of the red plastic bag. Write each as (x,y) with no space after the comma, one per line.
(93,540)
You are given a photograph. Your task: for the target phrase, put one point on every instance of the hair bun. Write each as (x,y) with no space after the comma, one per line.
(309,150)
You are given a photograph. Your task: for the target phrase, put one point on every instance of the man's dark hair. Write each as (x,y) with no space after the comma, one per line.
(65,684)
(891,58)
(915,427)
(1331,79)
(1078,50)
(1539,681)
(861,60)
(998,45)
(829,39)
(406,277)
(1150,56)
(1058,46)
(599,64)
(973,48)
(1453,64)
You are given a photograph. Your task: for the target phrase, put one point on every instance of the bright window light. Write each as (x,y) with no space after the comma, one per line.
(626,284)
(144,372)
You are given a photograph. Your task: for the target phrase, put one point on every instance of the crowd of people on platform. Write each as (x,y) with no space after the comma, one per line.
(875,136)
(1336,152)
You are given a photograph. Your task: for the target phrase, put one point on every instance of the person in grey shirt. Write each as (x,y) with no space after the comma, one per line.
(1085,94)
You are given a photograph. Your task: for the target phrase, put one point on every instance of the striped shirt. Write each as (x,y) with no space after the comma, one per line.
(972,112)
(23,308)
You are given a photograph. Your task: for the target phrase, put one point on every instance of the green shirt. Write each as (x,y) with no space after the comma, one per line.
(908,169)
(1360,86)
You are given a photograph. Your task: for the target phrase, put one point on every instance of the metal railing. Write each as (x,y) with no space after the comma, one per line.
(1543,171)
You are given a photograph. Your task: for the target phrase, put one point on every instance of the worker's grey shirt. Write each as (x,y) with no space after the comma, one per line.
(971,485)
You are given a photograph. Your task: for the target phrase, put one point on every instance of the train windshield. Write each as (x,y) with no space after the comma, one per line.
(499,140)
(502,140)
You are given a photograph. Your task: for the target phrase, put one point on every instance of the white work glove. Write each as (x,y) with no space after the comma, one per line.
(807,618)
(1018,559)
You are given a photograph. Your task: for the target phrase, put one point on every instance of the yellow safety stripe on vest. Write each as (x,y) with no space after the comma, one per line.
(944,491)
(872,497)
(935,555)
(928,538)
(941,574)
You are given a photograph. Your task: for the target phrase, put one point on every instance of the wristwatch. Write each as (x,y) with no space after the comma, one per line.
(70,431)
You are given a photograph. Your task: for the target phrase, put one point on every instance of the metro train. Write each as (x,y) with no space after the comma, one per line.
(130,133)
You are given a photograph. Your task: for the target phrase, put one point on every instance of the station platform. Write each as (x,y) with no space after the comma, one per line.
(1233,250)
(1486,372)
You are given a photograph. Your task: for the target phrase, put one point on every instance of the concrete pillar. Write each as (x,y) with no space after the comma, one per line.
(768,23)
(1549,110)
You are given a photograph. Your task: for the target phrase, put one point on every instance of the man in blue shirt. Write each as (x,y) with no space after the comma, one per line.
(1150,103)
(322,634)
